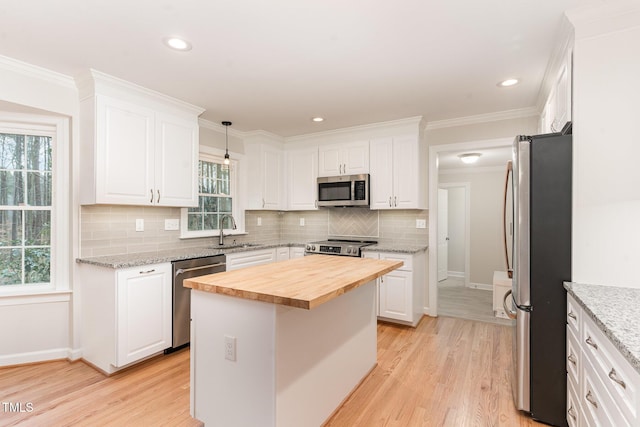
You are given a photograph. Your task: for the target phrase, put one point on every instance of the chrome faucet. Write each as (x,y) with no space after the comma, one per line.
(233,227)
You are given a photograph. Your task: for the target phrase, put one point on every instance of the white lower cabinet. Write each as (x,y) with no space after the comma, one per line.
(602,387)
(296,252)
(126,314)
(399,293)
(236,261)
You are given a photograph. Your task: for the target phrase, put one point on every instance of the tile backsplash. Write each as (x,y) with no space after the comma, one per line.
(110,230)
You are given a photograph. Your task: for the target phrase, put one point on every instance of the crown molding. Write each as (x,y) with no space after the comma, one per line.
(30,70)
(217,127)
(483,118)
(417,120)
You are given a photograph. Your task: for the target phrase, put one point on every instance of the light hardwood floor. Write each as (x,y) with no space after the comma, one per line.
(445,372)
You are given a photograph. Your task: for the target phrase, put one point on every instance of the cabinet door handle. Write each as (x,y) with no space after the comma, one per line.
(151,201)
(614,377)
(571,358)
(572,315)
(591,343)
(590,399)
(395,201)
(158,197)
(148,271)
(389,201)
(572,413)
(263,202)
(316,203)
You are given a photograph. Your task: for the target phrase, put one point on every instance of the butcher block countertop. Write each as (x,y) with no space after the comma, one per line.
(303,282)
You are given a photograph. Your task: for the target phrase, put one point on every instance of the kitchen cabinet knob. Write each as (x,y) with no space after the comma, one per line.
(591,342)
(151,201)
(591,399)
(614,377)
(572,315)
(571,358)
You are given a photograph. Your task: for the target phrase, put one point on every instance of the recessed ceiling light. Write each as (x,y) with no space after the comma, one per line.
(177,43)
(508,82)
(469,157)
(317,119)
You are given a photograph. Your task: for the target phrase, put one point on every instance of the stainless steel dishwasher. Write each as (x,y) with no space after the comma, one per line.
(183,270)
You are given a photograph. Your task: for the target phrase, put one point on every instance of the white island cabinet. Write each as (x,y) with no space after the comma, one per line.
(137,147)
(282,344)
(126,314)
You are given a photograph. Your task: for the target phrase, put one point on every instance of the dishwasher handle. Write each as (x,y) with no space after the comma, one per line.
(202,267)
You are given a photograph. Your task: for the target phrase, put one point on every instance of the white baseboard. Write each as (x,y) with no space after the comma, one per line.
(456,273)
(481,286)
(40,356)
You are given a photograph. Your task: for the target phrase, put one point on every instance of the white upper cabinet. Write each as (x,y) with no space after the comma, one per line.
(302,174)
(265,171)
(138,147)
(344,159)
(398,179)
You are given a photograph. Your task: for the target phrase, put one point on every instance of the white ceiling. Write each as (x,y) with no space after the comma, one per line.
(490,158)
(272,65)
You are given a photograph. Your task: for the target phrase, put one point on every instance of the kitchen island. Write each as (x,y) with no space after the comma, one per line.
(282,344)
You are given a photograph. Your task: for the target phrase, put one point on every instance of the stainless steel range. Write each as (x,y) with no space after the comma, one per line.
(338,247)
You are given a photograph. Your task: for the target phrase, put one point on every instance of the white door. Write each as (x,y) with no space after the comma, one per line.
(443,234)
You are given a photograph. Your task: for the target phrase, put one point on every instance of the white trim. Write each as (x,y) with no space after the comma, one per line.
(36,356)
(34,71)
(27,296)
(432,310)
(456,274)
(481,286)
(372,126)
(483,118)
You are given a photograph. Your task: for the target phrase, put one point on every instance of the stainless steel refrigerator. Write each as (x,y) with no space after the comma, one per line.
(541,251)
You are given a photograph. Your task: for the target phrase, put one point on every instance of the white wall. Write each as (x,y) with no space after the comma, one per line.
(41,327)
(606,193)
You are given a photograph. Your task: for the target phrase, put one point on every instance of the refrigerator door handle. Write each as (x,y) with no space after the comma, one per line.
(507,310)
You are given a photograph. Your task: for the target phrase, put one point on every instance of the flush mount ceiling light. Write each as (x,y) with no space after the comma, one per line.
(508,82)
(177,43)
(317,119)
(469,158)
(226,141)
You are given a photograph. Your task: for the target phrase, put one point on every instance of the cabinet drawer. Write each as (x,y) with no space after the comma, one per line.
(574,415)
(617,376)
(574,358)
(598,405)
(574,314)
(405,258)
(251,258)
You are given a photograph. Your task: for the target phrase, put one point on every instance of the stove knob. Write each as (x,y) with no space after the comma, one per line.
(313,247)
(308,247)
(348,250)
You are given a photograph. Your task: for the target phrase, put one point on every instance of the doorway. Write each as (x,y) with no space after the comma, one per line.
(440,158)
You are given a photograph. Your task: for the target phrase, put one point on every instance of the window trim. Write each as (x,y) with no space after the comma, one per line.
(59,129)
(212,154)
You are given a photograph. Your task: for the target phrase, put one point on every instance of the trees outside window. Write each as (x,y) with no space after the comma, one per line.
(26,200)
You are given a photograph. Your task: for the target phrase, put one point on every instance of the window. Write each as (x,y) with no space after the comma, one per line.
(216,188)
(35,233)
(26,200)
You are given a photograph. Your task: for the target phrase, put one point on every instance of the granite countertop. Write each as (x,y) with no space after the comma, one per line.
(616,311)
(305,282)
(146,258)
(397,248)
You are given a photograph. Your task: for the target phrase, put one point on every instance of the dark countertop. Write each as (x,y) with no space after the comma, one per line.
(616,311)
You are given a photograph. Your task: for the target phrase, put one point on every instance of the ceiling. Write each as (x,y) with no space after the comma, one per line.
(273,65)
(489,158)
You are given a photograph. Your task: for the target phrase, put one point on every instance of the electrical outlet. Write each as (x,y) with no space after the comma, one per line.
(230,348)
(139,224)
(172,224)
(421,223)
(301,222)
(259,221)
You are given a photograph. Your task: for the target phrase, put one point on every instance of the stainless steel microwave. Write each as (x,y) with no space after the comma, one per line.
(343,190)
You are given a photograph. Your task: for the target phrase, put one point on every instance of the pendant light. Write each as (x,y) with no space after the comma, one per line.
(226,141)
